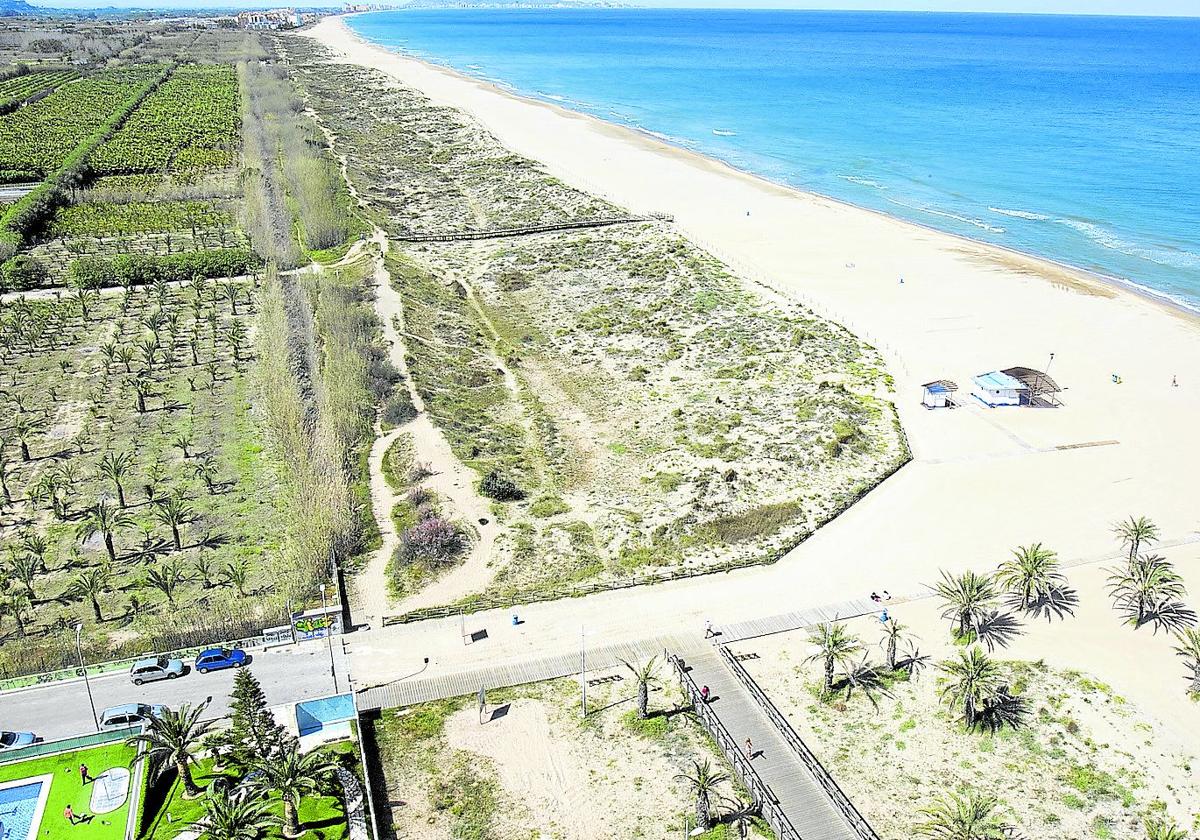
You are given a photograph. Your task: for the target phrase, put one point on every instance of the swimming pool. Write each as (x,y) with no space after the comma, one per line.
(21,806)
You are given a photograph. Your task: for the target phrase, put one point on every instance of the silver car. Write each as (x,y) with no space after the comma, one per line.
(155,668)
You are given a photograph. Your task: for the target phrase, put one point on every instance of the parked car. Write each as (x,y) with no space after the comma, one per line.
(130,714)
(155,668)
(214,659)
(10,740)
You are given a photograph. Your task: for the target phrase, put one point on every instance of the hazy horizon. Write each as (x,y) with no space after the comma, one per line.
(1131,8)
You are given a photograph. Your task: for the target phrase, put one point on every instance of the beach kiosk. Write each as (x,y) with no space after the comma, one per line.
(997,388)
(1040,390)
(938,394)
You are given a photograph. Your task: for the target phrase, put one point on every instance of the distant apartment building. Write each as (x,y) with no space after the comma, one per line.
(273,19)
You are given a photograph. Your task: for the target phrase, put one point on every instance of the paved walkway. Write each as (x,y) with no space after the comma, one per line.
(800,796)
(784,622)
(414,689)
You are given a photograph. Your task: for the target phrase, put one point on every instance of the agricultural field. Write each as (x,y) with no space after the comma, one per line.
(137,496)
(16,89)
(37,138)
(189,123)
(531,766)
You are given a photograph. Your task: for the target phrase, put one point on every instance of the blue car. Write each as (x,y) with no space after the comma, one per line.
(214,659)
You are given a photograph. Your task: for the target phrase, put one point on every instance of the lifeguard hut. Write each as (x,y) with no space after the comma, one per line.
(938,394)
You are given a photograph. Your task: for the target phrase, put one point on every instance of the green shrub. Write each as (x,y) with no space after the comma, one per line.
(21,273)
(135,270)
(548,506)
(399,409)
(500,487)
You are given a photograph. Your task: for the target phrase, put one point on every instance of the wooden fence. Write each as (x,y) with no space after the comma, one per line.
(836,795)
(765,800)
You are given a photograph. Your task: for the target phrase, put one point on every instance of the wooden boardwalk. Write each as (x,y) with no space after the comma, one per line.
(766,626)
(418,689)
(526,230)
(796,795)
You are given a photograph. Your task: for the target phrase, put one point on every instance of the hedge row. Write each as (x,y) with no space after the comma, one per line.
(19,176)
(135,270)
(32,210)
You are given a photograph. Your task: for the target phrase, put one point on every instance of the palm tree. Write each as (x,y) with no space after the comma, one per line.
(237,337)
(646,677)
(966,599)
(893,633)
(170,739)
(236,573)
(1030,575)
(204,570)
(16,605)
(236,817)
(1159,829)
(231,295)
(166,579)
(1189,649)
(173,511)
(973,680)
(293,775)
(206,470)
(1135,532)
(115,466)
(1144,587)
(91,584)
(970,817)
(836,646)
(26,567)
(141,390)
(106,520)
(24,427)
(704,781)
(183,442)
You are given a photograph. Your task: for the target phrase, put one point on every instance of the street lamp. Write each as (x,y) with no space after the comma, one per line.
(329,638)
(82,667)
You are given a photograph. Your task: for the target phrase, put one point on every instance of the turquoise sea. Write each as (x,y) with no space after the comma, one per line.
(1074,138)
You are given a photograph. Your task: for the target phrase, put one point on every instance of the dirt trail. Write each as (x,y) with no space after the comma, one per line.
(451,479)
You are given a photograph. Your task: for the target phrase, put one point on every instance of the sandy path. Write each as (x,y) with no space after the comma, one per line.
(451,480)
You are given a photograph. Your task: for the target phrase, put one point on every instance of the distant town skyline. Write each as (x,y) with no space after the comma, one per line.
(1164,8)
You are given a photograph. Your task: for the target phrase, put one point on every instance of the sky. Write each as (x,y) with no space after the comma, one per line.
(1190,8)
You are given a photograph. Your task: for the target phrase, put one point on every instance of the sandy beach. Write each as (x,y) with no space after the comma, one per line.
(982,480)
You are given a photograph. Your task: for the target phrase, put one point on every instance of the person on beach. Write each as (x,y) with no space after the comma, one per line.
(704,694)
(84,775)
(887,596)
(875,597)
(749,749)
(883,617)
(708,631)
(69,814)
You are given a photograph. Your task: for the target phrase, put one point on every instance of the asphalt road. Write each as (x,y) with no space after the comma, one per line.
(60,710)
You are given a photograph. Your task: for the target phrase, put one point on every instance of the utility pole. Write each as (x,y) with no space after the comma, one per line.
(329,638)
(82,667)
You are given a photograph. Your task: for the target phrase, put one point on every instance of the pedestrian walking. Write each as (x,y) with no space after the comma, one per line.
(84,775)
(704,694)
(69,814)
(708,631)
(749,749)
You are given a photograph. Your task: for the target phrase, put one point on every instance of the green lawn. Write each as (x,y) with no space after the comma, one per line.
(321,817)
(66,789)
